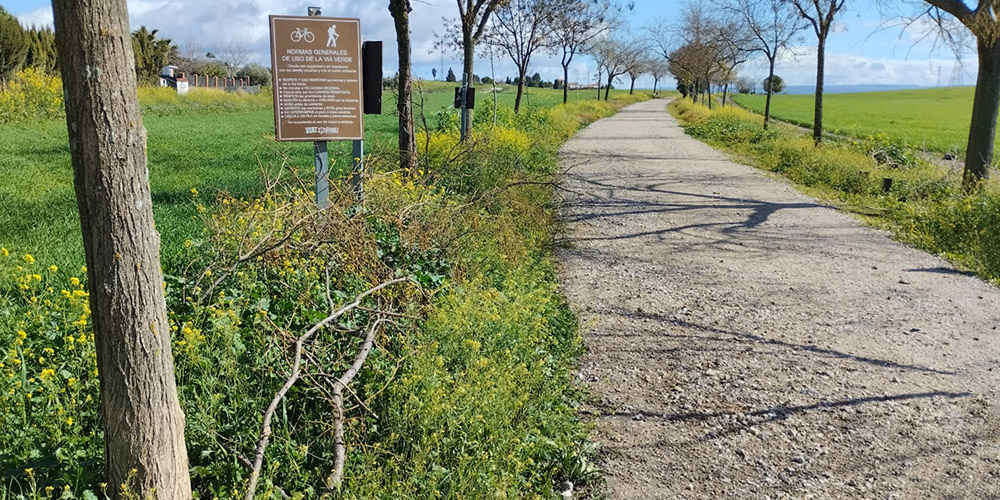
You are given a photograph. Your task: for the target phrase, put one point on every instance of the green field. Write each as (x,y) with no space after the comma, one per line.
(209,151)
(934,119)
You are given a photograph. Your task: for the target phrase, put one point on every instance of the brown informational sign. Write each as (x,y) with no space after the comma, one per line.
(316,63)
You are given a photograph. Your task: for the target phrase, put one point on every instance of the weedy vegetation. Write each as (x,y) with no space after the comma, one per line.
(443,278)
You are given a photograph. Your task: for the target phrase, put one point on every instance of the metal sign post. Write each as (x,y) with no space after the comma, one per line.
(358,153)
(463,131)
(320,158)
(322,163)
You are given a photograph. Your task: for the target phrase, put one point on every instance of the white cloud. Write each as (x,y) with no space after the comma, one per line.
(38,17)
(859,69)
(209,24)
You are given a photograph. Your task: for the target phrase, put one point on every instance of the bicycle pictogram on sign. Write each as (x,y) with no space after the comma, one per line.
(301,34)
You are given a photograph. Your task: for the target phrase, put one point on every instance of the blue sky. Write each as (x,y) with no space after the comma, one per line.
(858,52)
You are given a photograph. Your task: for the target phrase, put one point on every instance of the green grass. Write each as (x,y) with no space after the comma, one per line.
(934,119)
(210,151)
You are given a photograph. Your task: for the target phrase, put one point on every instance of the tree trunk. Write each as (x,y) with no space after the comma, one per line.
(404,104)
(820,67)
(469,51)
(769,89)
(598,84)
(143,421)
(656,81)
(631,88)
(982,131)
(565,83)
(607,90)
(520,88)
(725,93)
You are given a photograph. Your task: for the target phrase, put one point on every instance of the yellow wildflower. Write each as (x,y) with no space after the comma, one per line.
(4,252)
(53,269)
(69,421)
(71,382)
(46,373)
(194,192)
(21,334)
(74,281)
(29,259)
(36,277)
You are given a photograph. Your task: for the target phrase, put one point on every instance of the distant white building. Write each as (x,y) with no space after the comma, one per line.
(169,77)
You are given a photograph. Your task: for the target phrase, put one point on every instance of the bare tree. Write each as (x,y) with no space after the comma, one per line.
(731,41)
(473,16)
(699,60)
(635,66)
(657,69)
(520,28)
(614,58)
(233,56)
(820,14)
(400,10)
(690,63)
(190,57)
(686,44)
(143,421)
(577,24)
(771,27)
(952,20)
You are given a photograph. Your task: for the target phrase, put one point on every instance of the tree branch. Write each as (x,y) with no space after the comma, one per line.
(265,433)
(334,481)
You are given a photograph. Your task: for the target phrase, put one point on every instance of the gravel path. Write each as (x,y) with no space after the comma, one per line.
(745,341)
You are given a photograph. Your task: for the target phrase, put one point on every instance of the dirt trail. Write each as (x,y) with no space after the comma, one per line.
(745,341)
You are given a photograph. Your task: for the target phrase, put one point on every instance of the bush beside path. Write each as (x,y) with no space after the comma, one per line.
(746,341)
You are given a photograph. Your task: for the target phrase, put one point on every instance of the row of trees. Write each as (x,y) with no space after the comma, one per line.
(20,48)
(520,29)
(705,49)
(36,48)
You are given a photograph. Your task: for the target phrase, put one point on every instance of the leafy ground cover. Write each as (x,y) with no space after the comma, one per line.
(933,119)
(925,205)
(468,392)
